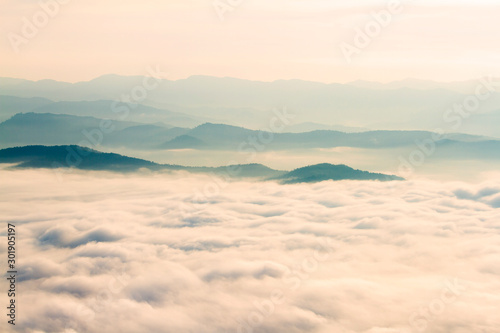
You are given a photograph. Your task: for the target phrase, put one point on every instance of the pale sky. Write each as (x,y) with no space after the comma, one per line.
(265,40)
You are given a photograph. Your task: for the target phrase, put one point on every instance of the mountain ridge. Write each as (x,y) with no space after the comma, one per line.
(242,102)
(53,129)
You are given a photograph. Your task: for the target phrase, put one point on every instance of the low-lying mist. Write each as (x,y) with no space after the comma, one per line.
(398,161)
(156,252)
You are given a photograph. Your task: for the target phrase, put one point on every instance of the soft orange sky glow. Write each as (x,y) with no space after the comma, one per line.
(258,40)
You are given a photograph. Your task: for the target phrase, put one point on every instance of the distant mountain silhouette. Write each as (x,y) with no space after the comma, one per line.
(89,159)
(408,104)
(108,109)
(10,105)
(182,142)
(325,171)
(312,126)
(51,129)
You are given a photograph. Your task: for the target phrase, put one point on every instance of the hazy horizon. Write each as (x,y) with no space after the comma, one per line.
(250,40)
(407,79)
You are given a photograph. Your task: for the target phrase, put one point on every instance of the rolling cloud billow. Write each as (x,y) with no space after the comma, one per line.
(107,252)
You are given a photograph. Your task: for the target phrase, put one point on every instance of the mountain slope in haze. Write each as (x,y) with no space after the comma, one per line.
(225,137)
(182,142)
(71,156)
(465,87)
(56,129)
(312,126)
(52,129)
(89,159)
(11,105)
(486,123)
(108,109)
(326,171)
(143,136)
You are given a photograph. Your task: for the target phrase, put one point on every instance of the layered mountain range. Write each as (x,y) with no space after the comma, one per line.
(203,115)
(356,106)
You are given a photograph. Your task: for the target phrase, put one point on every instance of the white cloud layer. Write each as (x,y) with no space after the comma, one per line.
(111,253)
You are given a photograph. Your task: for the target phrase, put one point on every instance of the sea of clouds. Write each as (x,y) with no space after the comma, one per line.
(103,252)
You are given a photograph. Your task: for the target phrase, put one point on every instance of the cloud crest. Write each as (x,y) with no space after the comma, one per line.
(102,252)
